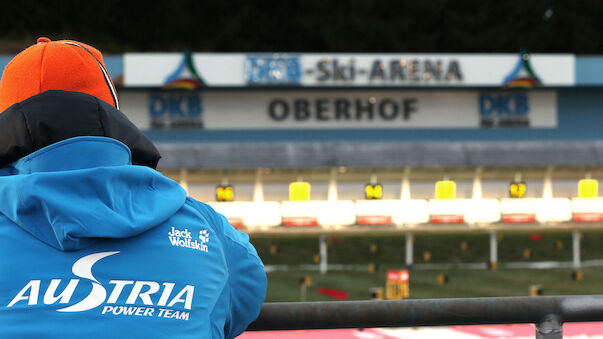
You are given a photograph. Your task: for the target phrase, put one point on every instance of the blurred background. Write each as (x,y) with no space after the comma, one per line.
(371,149)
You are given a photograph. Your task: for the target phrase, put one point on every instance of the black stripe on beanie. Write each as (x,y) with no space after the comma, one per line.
(103,70)
(56,115)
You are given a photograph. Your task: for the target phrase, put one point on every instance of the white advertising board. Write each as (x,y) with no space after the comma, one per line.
(159,70)
(338,109)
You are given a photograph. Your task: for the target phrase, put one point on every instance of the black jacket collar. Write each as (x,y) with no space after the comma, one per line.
(54,116)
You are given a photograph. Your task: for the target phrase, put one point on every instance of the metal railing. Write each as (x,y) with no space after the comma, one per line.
(547,313)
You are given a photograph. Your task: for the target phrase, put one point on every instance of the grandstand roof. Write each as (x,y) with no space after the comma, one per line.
(379,154)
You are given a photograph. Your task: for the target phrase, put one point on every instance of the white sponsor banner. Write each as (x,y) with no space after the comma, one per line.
(349,70)
(153,69)
(391,109)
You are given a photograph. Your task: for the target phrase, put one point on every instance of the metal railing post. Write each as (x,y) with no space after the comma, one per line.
(550,327)
(409,249)
(323,254)
(493,250)
(576,249)
(183,180)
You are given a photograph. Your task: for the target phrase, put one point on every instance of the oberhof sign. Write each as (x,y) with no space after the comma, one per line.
(160,70)
(340,109)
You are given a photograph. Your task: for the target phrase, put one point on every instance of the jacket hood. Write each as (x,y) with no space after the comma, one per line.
(73,192)
(55,115)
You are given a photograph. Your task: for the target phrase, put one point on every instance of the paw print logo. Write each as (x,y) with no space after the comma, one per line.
(204,236)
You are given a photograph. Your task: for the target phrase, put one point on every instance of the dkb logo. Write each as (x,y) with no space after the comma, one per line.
(175,110)
(504,110)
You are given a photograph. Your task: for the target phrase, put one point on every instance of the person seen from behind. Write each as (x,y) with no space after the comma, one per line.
(95,243)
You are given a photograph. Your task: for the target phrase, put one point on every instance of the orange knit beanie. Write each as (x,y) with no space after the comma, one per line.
(56,65)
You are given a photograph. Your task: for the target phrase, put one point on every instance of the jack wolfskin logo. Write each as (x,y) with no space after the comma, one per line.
(204,236)
(183,238)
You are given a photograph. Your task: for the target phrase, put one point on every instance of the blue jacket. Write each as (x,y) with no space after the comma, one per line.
(92,246)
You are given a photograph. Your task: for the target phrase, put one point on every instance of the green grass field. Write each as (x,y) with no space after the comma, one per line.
(285,286)
(388,253)
(442,247)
